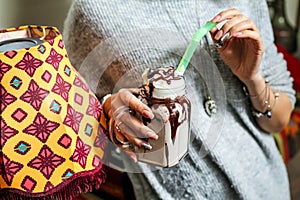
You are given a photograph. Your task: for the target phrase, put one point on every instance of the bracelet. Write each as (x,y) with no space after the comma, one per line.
(268,112)
(256,95)
(103,99)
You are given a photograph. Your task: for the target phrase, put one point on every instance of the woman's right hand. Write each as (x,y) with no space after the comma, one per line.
(126,130)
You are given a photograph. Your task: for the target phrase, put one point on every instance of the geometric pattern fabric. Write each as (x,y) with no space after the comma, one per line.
(50,130)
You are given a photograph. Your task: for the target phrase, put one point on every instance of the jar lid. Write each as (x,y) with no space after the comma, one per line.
(19,43)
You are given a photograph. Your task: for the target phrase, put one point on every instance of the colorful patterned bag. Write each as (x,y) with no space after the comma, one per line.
(51,144)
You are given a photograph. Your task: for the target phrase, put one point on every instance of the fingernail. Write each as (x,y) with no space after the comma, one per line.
(147,146)
(219,35)
(216,18)
(238,33)
(133,158)
(152,135)
(148,114)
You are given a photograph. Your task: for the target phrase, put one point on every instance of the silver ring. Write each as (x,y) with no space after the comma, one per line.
(118,126)
(220,43)
(129,146)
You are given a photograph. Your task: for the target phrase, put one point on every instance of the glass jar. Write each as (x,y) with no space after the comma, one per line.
(171,108)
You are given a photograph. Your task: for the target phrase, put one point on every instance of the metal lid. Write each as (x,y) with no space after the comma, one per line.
(19,43)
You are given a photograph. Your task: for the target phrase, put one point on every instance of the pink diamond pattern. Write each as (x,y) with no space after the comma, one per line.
(46,76)
(51,42)
(54,59)
(94,108)
(6,98)
(61,44)
(41,127)
(62,88)
(49,186)
(46,161)
(10,54)
(73,119)
(28,184)
(81,152)
(29,64)
(34,95)
(101,138)
(79,83)
(6,132)
(3,69)
(65,141)
(10,169)
(19,115)
(78,98)
(97,161)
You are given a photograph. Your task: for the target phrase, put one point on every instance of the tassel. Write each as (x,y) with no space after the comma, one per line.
(68,190)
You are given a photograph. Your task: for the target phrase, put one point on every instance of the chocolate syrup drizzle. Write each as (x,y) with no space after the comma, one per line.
(147,93)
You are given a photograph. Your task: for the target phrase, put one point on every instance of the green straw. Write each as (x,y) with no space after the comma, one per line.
(201,32)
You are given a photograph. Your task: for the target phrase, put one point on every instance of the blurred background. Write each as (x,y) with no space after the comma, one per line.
(285,15)
(39,12)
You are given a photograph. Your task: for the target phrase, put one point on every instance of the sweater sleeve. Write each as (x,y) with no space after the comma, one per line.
(273,66)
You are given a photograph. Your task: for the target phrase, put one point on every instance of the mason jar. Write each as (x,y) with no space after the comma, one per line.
(166,96)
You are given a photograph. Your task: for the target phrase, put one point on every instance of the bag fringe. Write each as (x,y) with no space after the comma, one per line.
(65,191)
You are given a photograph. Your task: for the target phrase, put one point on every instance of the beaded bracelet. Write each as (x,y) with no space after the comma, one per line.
(268,112)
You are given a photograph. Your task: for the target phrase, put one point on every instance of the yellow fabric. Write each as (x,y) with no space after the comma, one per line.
(48,141)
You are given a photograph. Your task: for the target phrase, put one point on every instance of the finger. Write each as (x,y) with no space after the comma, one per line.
(255,36)
(124,139)
(237,22)
(213,32)
(134,103)
(239,25)
(136,127)
(226,14)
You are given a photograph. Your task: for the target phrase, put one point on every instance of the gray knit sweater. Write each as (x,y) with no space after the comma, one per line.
(230,157)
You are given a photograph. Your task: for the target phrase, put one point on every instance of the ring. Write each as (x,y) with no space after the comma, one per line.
(220,43)
(118,126)
(122,144)
(129,146)
(113,138)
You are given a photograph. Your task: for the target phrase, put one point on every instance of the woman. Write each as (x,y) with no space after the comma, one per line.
(242,161)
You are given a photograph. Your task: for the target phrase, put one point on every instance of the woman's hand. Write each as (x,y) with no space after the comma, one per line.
(126,130)
(243,49)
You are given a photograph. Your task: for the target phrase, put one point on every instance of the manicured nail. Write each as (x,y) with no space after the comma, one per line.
(152,135)
(216,18)
(147,146)
(219,35)
(238,33)
(133,158)
(148,114)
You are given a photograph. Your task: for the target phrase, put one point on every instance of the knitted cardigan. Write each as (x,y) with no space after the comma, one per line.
(230,157)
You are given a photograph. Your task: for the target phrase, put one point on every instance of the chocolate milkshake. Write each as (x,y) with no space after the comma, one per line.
(164,93)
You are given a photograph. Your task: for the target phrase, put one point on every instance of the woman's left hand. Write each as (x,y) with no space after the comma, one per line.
(243,49)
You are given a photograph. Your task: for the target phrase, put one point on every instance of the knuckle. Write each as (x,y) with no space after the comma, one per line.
(235,10)
(127,119)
